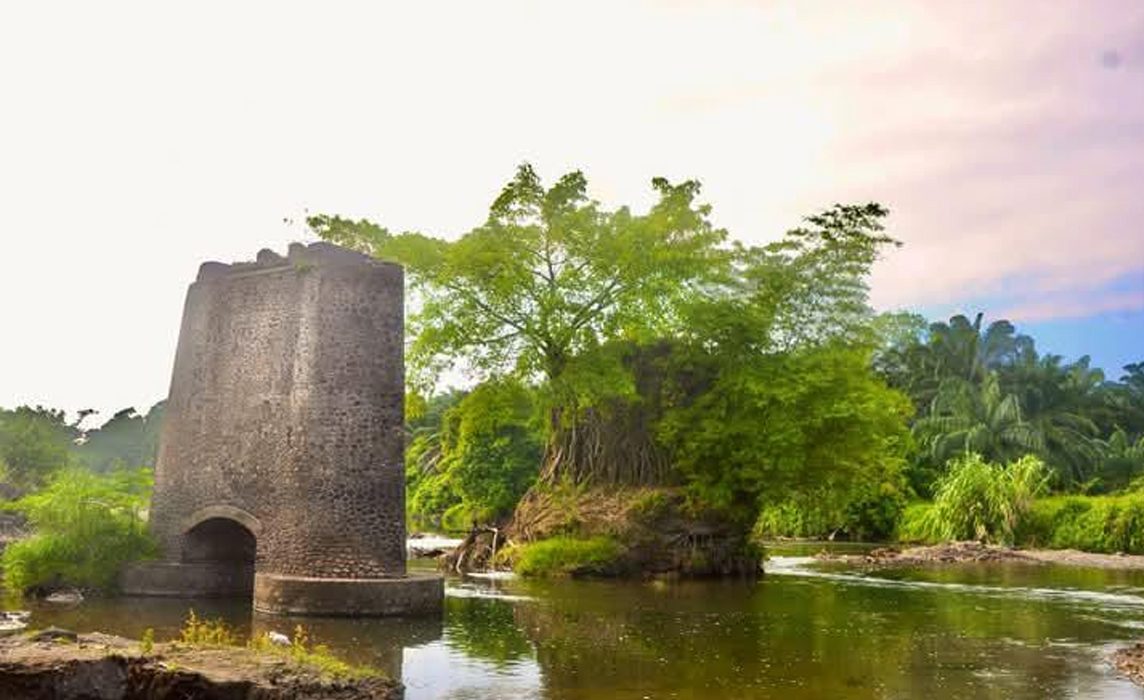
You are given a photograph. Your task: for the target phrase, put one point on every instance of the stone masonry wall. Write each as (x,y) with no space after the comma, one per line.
(286,406)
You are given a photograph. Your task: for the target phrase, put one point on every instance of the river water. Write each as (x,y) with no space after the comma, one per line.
(802,632)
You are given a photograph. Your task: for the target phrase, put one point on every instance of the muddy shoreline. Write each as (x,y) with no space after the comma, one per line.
(976,552)
(62,665)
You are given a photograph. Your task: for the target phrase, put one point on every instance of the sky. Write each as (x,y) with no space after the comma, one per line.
(138,139)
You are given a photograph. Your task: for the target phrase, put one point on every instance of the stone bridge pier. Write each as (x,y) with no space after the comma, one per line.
(280,472)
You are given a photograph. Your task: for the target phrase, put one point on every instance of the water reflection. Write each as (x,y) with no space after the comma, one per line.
(937,634)
(378,642)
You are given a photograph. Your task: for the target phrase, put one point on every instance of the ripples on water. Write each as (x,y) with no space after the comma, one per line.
(804,631)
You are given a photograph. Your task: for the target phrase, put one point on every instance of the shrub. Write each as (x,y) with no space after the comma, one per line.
(86,528)
(1090,523)
(567,555)
(793,518)
(483,452)
(650,506)
(862,510)
(914,524)
(983,501)
(199,632)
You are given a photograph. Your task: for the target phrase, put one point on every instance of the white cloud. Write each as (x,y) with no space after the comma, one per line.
(138,139)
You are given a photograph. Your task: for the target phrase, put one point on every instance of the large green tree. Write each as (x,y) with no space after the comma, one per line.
(551,274)
(547,283)
(611,313)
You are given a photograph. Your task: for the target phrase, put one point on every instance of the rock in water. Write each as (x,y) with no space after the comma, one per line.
(68,598)
(53,634)
(13,621)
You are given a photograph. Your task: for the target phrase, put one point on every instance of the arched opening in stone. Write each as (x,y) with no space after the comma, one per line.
(225,550)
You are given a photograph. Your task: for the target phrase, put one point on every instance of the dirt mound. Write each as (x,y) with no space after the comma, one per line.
(658,532)
(101,667)
(948,553)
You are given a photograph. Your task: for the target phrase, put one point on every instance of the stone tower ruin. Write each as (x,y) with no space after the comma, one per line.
(280,471)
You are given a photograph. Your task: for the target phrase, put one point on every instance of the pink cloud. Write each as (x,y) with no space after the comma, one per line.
(1061,308)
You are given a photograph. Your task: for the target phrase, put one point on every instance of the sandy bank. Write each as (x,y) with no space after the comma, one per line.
(971,552)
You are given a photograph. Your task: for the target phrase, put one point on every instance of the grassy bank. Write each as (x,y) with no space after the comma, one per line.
(1104,524)
(562,556)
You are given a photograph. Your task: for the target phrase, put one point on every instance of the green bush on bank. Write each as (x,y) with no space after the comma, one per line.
(1106,524)
(914,524)
(560,556)
(867,510)
(86,528)
(980,500)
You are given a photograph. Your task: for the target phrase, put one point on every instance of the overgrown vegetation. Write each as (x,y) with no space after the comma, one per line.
(86,527)
(1108,524)
(566,555)
(979,500)
(652,350)
(472,456)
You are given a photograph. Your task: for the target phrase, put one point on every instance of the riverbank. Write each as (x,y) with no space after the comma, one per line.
(1130,662)
(62,666)
(976,552)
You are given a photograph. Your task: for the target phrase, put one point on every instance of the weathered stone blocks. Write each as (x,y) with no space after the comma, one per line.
(284,422)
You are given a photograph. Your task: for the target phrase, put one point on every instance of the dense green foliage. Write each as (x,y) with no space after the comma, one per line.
(979,500)
(34,443)
(1091,523)
(473,456)
(127,439)
(86,527)
(831,429)
(566,555)
(654,350)
(988,390)
(1109,524)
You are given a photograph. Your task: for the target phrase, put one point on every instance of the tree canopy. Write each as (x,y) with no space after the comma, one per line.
(550,274)
(651,337)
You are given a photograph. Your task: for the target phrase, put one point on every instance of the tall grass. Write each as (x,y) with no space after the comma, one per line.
(979,500)
(1107,524)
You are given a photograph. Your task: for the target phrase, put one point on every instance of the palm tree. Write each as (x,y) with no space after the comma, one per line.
(965,418)
(1062,402)
(1121,462)
(959,348)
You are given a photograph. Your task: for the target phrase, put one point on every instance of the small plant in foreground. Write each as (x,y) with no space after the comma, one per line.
(198,632)
(317,657)
(147,643)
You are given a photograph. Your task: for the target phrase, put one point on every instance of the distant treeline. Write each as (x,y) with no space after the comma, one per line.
(35,442)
